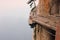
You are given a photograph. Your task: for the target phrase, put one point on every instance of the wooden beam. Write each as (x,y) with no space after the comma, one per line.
(43,23)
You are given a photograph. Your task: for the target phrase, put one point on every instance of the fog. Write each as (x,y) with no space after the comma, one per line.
(14,16)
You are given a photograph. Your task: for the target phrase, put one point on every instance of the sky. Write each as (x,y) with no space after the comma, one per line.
(14,16)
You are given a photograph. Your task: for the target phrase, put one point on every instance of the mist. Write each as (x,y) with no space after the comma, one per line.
(14,16)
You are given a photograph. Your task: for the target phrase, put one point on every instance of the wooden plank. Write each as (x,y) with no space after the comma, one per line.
(39,20)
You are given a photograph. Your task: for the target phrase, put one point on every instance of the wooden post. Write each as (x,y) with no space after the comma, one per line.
(40,33)
(37,32)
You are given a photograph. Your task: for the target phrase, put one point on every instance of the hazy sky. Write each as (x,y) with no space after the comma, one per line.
(14,20)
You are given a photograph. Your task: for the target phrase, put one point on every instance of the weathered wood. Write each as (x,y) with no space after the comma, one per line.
(46,23)
(47,14)
(41,33)
(37,32)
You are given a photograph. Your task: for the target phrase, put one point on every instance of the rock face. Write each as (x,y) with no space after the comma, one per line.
(44,20)
(46,7)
